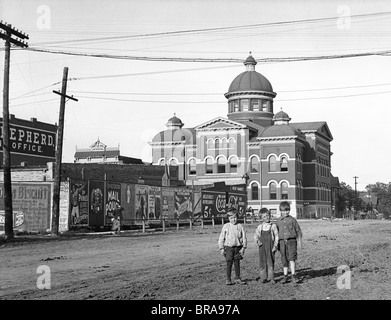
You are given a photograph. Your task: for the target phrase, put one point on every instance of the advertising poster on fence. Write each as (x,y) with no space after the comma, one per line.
(168,204)
(78,203)
(183,204)
(213,204)
(31,206)
(128,203)
(96,197)
(154,203)
(64,207)
(141,201)
(237,198)
(113,200)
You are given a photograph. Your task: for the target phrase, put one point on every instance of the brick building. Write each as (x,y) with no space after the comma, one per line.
(276,158)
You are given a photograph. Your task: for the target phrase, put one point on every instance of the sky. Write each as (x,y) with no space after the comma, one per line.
(133,64)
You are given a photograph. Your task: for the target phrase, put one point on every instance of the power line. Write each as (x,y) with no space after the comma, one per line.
(333,97)
(148,101)
(219,93)
(204,30)
(204,102)
(205,94)
(210,60)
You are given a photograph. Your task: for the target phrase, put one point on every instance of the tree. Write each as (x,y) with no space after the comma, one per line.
(383,194)
(346,197)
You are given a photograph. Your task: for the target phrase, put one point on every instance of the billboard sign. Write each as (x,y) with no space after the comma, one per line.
(31,206)
(30,141)
(215,203)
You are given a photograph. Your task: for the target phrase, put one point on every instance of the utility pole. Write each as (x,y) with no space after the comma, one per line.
(6,33)
(57,167)
(355,193)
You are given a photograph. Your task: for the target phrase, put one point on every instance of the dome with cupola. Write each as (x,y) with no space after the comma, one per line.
(281,117)
(175,132)
(174,123)
(250,96)
(250,80)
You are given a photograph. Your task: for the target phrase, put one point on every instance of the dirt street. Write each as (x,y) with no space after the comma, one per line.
(187,265)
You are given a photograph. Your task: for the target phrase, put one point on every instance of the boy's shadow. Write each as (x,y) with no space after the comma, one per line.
(306,273)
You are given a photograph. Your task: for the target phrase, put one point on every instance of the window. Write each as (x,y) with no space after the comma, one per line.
(254,104)
(162,162)
(192,167)
(284,190)
(273,191)
(233,165)
(173,162)
(223,143)
(217,143)
(210,144)
(221,165)
(236,105)
(231,106)
(254,164)
(254,191)
(244,105)
(272,164)
(231,142)
(209,165)
(265,105)
(284,164)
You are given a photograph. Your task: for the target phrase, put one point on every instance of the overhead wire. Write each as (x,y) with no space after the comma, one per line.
(202,30)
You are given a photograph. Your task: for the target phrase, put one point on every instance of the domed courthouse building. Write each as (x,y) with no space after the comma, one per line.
(277,159)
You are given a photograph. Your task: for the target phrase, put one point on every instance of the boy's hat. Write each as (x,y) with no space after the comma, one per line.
(232,212)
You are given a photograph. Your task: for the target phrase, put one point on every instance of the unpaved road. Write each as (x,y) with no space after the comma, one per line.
(187,265)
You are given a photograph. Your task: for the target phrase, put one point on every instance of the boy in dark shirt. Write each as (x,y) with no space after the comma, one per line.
(289,232)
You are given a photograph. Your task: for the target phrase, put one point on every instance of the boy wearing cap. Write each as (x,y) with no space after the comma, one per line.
(289,232)
(232,245)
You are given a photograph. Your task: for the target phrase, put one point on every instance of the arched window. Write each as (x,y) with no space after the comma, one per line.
(162,162)
(217,143)
(210,143)
(209,165)
(173,162)
(223,143)
(254,191)
(192,167)
(284,164)
(233,165)
(318,193)
(284,190)
(273,191)
(272,164)
(221,162)
(254,164)
(231,142)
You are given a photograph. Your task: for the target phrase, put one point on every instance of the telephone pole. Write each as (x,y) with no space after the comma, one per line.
(57,167)
(355,193)
(7,33)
